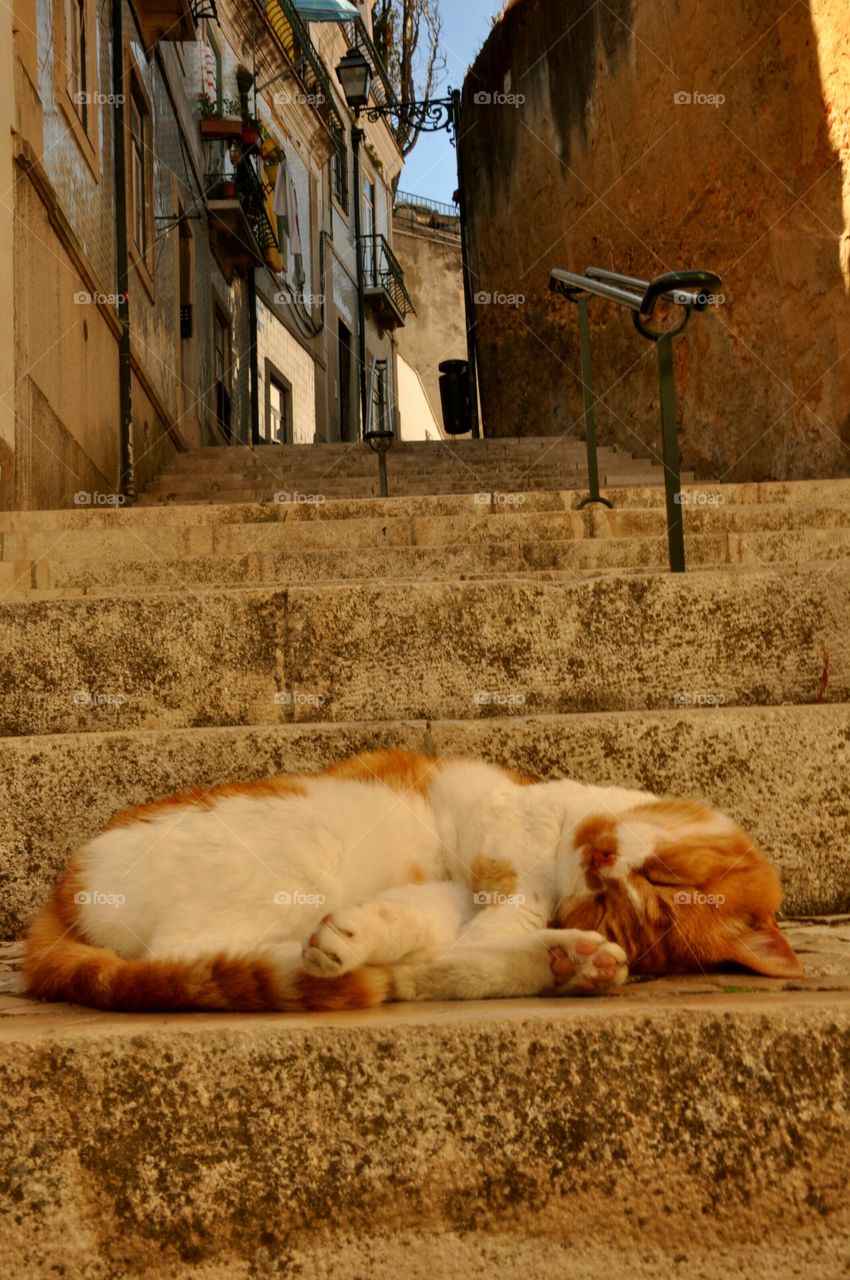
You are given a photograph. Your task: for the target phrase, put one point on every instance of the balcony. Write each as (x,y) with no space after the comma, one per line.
(240,232)
(292,38)
(172,19)
(385,290)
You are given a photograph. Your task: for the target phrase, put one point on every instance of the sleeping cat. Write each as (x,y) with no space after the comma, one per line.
(399,876)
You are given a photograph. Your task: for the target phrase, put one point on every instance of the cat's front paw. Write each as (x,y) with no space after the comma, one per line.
(583,963)
(350,937)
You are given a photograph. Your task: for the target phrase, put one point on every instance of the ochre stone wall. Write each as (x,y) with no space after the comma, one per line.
(434,277)
(648,135)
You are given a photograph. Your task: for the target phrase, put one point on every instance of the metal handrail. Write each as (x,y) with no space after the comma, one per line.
(406,199)
(430,214)
(642,298)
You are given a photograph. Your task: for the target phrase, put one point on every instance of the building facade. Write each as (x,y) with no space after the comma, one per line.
(179,235)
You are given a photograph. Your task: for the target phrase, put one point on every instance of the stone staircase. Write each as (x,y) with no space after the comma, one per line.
(692,1127)
(242,474)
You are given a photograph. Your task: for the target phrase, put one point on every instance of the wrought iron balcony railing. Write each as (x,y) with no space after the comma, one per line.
(303,57)
(384,285)
(239,217)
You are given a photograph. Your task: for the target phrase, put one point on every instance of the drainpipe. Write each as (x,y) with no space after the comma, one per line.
(126,484)
(253,365)
(357,137)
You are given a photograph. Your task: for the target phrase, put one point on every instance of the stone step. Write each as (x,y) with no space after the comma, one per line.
(546,1137)
(546,561)
(420,649)
(363,489)
(426,452)
(780,771)
(252,528)
(822,493)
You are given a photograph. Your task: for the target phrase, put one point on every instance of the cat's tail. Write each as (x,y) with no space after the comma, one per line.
(60,965)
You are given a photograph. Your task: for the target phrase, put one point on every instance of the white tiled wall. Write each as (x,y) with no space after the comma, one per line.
(276,343)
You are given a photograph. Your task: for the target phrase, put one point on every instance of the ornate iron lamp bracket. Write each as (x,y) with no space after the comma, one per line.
(431,116)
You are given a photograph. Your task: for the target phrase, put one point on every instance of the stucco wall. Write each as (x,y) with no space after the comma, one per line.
(433,275)
(586,153)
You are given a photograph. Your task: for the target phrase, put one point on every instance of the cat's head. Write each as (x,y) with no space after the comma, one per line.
(680,887)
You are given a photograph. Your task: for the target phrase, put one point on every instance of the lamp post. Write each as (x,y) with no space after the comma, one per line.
(429,116)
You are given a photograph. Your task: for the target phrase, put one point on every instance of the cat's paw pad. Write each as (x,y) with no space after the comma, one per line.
(338,945)
(588,964)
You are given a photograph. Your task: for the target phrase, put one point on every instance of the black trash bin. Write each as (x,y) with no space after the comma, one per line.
(454,393)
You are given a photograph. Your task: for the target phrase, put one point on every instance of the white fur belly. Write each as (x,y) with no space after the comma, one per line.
(251,871)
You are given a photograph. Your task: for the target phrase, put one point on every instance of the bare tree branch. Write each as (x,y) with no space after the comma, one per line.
(407,34)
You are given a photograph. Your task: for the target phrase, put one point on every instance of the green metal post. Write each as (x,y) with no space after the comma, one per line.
(670,445)
(589,407)
(382,472)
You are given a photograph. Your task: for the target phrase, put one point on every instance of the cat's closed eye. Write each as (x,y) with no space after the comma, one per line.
(663,876)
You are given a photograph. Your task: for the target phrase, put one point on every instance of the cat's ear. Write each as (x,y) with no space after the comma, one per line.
(763,948)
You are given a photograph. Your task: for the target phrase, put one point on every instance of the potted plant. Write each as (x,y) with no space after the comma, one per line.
(215,125)
(222,188)
(250,134)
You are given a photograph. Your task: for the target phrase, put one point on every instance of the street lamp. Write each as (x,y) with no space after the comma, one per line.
(429,116)
(355,76)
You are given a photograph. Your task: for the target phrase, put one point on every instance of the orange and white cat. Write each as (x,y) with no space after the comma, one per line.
(395,875)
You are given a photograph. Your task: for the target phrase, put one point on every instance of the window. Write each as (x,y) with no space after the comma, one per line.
(339,164)
(139,192)
(76,59)
(75,72)
(278,411)
(212,67)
